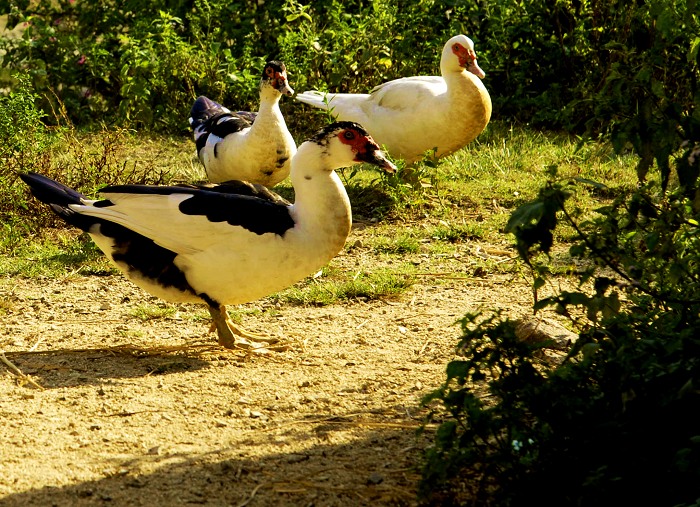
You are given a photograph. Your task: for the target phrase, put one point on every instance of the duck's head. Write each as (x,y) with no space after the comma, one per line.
(275,75)
(345,143)
(459,52)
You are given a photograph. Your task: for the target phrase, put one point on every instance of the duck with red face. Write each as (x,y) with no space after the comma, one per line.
(414,115)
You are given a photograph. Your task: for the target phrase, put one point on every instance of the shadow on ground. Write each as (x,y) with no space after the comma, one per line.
(324,474)
(70,368)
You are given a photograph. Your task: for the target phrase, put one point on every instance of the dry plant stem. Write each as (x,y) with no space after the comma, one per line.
(250,498)
(36,344)
(18,372)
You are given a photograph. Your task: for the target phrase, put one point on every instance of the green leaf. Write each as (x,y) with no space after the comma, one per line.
(694,51)
(525,215)
(458,370)
(538,283)
(652,240)
(590,182)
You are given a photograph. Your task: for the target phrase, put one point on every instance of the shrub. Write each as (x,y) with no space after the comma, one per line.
(25,141)
(60,153)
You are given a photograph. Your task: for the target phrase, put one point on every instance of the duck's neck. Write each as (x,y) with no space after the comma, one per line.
(321,206)
(466,84)
(269,112)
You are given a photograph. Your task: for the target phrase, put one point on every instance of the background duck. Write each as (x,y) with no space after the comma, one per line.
(243,145)
(216,245)
(412,115)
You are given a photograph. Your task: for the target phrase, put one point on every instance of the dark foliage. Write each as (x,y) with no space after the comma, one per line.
(143,63)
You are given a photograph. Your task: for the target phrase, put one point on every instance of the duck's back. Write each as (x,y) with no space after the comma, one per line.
(413,115)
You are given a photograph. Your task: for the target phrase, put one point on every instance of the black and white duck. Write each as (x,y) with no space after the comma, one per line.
(242,145)
(224,244)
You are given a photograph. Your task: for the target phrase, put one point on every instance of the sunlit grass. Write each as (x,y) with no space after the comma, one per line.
(335,287)
(55,254)
(146,311)
(401,244)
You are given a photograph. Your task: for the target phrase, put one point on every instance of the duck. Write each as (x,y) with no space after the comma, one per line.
(243,145)
(224,244)
(414,115)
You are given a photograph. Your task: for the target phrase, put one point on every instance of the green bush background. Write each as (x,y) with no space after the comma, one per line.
(142,63)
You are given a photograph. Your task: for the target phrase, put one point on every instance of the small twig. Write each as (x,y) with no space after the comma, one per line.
(18,372)
(446,276)
(425,345)
(129,414)
(362,324)
(250,498)
(41,338)
(11,366)
(414,316)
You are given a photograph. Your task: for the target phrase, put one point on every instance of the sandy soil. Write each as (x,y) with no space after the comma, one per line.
(134,412)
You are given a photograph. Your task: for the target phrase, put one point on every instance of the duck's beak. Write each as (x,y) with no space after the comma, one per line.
(287,90)
(474,68)
(375,156)
(282,84)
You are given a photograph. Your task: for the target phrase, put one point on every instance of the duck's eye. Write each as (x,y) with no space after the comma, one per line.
(270,71)
(349,135)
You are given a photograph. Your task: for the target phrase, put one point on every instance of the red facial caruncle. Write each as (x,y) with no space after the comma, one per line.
(357,141)
(465,56)
(467,59)
(365,149)
(277,79)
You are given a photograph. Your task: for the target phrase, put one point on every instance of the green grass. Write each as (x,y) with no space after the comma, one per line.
(404,243)
(334,287)
(55,254)
(147,311)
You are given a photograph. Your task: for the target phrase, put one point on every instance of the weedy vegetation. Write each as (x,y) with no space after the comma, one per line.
(333,286)
(154,311)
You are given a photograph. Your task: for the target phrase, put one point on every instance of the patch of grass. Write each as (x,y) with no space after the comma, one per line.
(13,233)
(54,255)
(237,315)
(6,306)
(198,313)
(502,169)
(379,284)
(88,162)
(472,192)
(404,243)
(455,233)
(130,333)
(146,311)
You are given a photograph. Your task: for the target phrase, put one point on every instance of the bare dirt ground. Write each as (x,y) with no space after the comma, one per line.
(332,421)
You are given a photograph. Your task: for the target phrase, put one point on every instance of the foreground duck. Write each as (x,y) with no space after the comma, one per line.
(215,245)
(412,115)
(242,145)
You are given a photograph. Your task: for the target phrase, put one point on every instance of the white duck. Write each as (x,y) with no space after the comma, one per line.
(213,245)
(254,147)
(412,115)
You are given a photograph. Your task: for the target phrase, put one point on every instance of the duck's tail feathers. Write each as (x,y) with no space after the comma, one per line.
(59,197)
(203,109)
(317,99)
